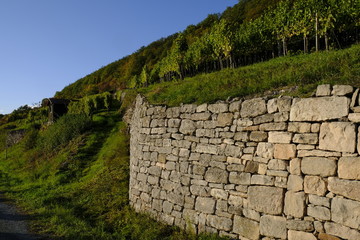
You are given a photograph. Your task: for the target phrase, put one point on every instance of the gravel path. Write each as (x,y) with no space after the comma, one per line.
(13,224)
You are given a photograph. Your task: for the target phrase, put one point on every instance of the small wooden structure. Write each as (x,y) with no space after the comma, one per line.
(57,107)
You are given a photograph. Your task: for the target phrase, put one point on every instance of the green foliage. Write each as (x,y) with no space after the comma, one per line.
(91,104)
(63,130)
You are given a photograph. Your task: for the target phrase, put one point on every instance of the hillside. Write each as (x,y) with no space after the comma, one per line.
(251,31)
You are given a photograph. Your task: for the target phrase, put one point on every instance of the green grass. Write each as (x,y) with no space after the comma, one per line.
(301,73)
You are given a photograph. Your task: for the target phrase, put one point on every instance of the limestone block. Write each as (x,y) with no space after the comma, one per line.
(318,212)
(235,106)
(284,151)
(241,136)
(225,119)
(266,199)
(219,193)
(218,107)
(232,151)
(354,117)
(295,166)
(272,105)
(297,235)
(323,90)
(278,126)
(251,214)
(188,108)
(358,139)
(284,104)
(265,150)
(299,127)
(341,231)
(300,225)
(239,178)
(341,90)
(349,168)
(294,204)
(187,127)
(319,109)
(251,167)
(205,205)
(167,207)
(281,117)
(236,201)
(295,183)
(202,108)
(324,236)
(320,201)
(346,212)
(317,153)
(318,166)
(346,188)
(202,116)
(246,228)
(253,107)
(280,137)
(262,180)
(306,138)
(275,164)
(206,148)
(314,185)
(337,136)
(258,136)
(220,223)
(263,119)
(216,175)
(273,226)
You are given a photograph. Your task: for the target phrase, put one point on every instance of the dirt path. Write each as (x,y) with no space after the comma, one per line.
(13,224)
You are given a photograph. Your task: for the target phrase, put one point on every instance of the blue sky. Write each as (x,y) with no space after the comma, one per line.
(47,44)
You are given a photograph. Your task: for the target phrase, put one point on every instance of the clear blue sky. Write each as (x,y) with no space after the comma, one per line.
(47,44)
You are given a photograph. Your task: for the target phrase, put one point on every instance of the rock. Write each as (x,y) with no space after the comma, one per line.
(202,116)
(349,168)
(262,180)
(272,105)
(251,214)
(239,178)
(266,199)
(295,166)
(258,136)
(306,138)
(317,153)
(275,164)
(251,167)
(284,151)
(284,104)
(341,90)
(354,98)
(358,145)
(265,150)
(346,188)
(346,212)
(224,119)
(219,194)
(319,109)
(318,166)
(278,126)
(235,106)
(354,117)
(246,228)
(323,90)
(337,136)
(297,235)
(280,137)
(294,204)
(299,127)
(202,108)
(295,183)
(218,107)
(273,226)
(341,231)
(318,212)
(314,185)
(188,108)
(320,201)
(253,108)
(220,223)
(206,148)
(205,205)
(299,225)
(264,119)
(324,236)
(216,175)
(187,127)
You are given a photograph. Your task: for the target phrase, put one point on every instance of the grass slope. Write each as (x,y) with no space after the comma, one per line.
(303,72)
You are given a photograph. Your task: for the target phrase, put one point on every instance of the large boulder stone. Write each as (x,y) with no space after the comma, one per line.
(319,109)
(205,205)
(349,168)
(216,175)
(280,137)
(341,90)
(346,212)
(273,226)
(314,185)
(285,151)
(341,231)
(337,136)
(187,127)
(246,228)
(253,107)
(220,223)
(346,188)
(266,199)
(265,150)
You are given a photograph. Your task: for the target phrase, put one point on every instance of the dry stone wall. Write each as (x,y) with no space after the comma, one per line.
(282,168)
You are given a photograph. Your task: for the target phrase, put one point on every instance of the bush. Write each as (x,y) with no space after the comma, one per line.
(63,130)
